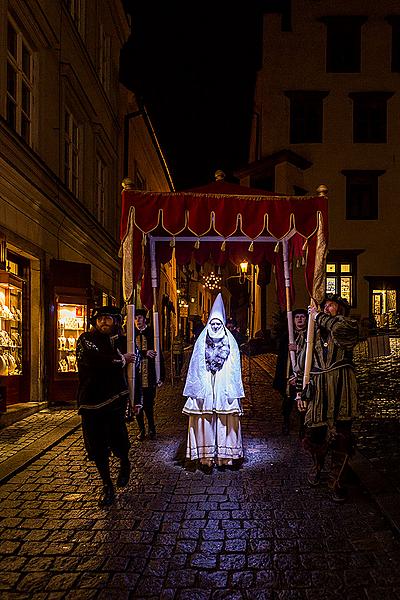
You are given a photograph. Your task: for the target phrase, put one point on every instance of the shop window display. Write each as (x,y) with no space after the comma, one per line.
(71,319)
(10,325)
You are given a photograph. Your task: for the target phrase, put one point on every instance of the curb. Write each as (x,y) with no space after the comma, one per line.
(23,458)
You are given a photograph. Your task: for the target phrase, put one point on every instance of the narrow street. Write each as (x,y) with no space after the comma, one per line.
(173,533)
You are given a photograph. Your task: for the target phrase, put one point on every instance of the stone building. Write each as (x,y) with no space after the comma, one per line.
(326,111)
(65,125)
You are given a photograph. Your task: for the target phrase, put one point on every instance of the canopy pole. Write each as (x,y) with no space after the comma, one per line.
(131,347)
(156,324)
(309,347)
(288,301)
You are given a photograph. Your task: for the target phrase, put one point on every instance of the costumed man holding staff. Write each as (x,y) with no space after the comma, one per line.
(103,395)
(146,379)
(332,401)
(285,374)
(214,389)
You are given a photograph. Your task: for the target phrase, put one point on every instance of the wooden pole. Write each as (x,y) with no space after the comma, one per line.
(156,325)
(131,347)
(286,272)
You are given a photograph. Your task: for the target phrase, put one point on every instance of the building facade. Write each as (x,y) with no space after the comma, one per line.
(326,111)
(64,136)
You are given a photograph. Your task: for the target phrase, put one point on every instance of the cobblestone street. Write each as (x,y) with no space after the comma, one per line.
(259,533)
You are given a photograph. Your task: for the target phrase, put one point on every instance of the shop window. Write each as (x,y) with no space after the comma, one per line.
(104,66)
(340,278)
(75,9)
(343,43)
(306,116)
(362,198)
(370,116)
(71,152)
(394,21)
(101,187)
(19,101)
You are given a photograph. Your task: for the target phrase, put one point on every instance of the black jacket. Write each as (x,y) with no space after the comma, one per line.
(101,368)
(145,341)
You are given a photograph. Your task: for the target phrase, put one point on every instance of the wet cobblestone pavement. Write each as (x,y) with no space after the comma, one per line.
(378,427)
(259,533)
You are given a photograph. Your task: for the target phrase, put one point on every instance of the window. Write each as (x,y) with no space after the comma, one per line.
(75,9)
(101,191)
(362,194)
(71,153)
(306,116)
(370,116)
(343,43)
(394,21)
(104,58)
(340,277)
(19,83)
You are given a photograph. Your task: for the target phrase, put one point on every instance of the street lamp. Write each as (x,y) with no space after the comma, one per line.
(243,270)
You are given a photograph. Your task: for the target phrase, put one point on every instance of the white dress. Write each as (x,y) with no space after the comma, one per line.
(213,406)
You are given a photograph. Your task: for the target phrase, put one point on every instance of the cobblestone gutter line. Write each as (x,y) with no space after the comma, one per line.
(23,457)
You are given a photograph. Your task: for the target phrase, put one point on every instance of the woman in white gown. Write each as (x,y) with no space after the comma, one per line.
(214,388)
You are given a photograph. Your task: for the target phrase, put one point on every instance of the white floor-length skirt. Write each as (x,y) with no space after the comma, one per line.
(214,438)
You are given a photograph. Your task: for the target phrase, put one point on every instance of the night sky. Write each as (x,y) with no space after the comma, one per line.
(194,66)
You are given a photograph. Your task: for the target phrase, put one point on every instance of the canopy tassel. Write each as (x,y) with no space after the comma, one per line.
(276,249)
(172,242)
(223,246)
(144,239)
(251,247)
(197,244)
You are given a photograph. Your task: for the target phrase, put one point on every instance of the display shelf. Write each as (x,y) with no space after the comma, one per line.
(10,324)
(71,320)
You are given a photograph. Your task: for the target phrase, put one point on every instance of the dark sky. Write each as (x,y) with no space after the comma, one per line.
(194,65)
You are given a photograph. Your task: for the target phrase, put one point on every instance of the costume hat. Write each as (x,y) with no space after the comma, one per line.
(141,311)
(218,310)
(110,311)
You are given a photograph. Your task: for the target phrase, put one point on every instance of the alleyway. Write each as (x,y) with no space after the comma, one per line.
(260,533)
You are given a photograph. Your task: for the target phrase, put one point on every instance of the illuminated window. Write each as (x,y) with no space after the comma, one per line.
(19,101)
(340,279)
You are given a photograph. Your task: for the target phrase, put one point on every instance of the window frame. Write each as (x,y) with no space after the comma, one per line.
(101,189)
(365,181)
(343,39)
(306,120)
(394,21)
(339,258)
(72,157)
(22,79)
(370,120)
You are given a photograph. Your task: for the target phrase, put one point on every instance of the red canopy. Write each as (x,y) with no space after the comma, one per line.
(224,221)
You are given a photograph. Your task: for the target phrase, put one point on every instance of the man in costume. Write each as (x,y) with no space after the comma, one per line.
(146,379)
(285,375)
(333,396)
(103,394)
(214,389)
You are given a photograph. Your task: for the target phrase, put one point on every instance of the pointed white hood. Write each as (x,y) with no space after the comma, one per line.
(218,310)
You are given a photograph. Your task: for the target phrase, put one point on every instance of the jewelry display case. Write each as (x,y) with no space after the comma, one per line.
(10,325)
(71,323)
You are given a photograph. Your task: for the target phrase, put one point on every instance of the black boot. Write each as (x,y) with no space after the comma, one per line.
(124,473)
(107,496)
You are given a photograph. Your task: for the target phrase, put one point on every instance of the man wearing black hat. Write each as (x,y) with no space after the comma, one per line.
(103,394)
(146,382)
(285,379)
(333,402)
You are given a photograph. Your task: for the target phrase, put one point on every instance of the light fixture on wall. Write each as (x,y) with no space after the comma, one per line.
(243,270)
